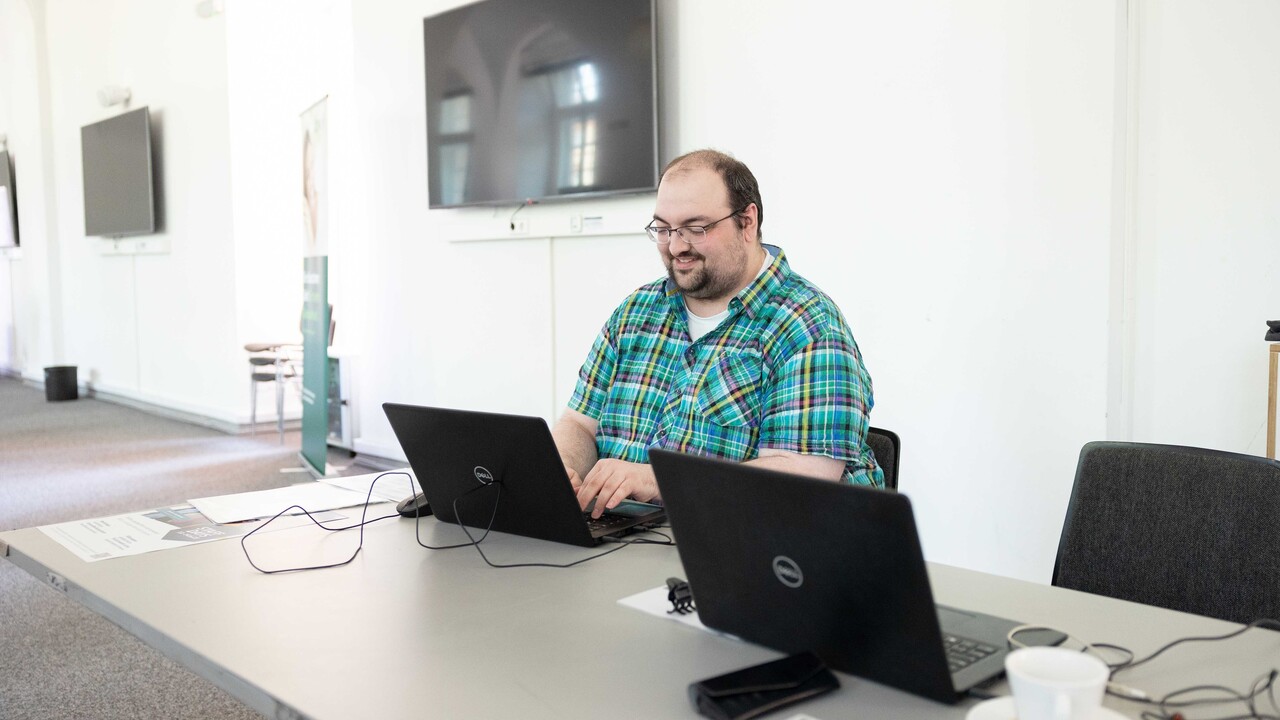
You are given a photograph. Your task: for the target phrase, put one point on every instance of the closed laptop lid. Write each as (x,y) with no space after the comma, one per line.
(460,457)
(800,564)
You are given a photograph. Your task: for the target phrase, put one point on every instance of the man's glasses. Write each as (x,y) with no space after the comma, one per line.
(692,234)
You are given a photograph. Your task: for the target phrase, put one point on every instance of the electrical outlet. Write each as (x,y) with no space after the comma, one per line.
(520,226)
(575,223)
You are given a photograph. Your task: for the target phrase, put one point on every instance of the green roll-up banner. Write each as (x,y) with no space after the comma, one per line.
(315,363)
(315,285)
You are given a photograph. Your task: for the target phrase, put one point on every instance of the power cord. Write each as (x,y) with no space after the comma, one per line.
(476,543)
(473,541)
(418,518)
(1167,707)
(521,206)
(363,514)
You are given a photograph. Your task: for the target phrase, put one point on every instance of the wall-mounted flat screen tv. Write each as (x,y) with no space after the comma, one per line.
(540,99)
(118,190)
(8,203)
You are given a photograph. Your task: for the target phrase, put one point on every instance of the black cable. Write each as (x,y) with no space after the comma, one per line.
(1265,682)
(493,515)
(1259,623)
(666,539)
(474,542)
(363,513)
(1168,705)
(521,206)
(1117,665)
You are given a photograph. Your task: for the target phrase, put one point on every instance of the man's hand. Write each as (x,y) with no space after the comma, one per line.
(612,481)
(574,480)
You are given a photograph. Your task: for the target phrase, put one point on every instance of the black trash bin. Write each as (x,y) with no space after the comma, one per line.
(60,383)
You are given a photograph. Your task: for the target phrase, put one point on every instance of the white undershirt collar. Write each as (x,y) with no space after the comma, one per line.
(699,325)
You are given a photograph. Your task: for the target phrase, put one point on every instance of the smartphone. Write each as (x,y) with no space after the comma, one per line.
(634,508)
(1040,636)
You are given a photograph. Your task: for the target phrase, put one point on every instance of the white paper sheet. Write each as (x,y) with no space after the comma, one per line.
(391,485)
(655,602)
(137,533)
(311,496)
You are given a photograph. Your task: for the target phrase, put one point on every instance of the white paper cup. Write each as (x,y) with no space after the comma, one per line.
(1051,683)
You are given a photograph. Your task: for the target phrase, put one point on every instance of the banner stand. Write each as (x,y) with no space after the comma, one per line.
(315,285)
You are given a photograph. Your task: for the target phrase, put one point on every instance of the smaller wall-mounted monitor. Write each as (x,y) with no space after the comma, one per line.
(118,197)
(8,203)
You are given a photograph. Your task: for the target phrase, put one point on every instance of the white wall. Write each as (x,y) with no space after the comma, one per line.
(1014,203)
(29,319)
(283,57)
(149,327)
(1206,242)
(942,171)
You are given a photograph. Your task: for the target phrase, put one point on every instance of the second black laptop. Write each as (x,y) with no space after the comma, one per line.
(800,564)
(503,468)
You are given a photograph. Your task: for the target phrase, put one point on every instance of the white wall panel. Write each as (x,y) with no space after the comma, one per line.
(1207,229)
(592,276)
(489,333)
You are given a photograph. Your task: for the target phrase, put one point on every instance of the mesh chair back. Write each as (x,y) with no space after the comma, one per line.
(1177,527)
(886,446)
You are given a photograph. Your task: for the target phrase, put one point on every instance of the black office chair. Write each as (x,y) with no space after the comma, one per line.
(886,446)
(1176,527)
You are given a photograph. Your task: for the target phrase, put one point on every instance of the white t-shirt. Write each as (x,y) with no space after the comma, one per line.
(699,326)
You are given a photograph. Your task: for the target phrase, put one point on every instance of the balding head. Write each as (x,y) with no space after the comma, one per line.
(739,183)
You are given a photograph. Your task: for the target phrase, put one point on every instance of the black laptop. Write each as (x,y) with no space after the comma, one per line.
(799,564)
(503,467)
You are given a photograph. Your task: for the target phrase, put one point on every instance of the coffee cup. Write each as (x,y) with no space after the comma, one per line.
(1052,683)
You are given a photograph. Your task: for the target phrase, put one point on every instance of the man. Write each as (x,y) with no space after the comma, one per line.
(731,355)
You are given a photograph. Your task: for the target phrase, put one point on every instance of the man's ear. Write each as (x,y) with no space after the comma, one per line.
(750,224)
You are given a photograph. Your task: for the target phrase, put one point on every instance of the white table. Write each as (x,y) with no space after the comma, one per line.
(405,632)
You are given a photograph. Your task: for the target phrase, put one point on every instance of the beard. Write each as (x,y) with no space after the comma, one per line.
(705,282)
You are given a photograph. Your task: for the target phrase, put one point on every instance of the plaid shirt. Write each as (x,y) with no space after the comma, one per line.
(781,372)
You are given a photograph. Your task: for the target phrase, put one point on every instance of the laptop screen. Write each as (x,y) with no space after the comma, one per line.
(802,564)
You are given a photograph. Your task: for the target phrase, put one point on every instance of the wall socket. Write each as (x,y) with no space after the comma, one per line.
(520,226)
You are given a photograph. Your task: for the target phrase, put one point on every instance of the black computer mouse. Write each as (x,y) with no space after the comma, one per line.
(415,506)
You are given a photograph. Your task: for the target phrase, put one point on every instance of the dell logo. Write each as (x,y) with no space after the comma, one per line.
(483,475)
(788,571)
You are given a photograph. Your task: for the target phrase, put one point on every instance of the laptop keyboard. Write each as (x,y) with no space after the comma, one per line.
(963,652)
(606,523)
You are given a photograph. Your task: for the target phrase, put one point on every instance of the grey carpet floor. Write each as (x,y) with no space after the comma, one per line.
(88,458)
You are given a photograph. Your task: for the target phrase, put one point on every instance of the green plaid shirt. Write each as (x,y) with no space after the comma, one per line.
(781,372)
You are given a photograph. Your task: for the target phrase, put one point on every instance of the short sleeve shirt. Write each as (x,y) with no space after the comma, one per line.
(782,371)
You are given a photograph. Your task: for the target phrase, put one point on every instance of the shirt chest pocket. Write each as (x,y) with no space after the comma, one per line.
(730,392)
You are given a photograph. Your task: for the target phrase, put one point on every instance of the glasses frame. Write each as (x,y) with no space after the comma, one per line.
(691,234)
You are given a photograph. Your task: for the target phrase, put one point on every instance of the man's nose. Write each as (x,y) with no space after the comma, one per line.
(678,240)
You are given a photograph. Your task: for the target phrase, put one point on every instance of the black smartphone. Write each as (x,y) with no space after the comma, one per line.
(759,689)
(1032,637)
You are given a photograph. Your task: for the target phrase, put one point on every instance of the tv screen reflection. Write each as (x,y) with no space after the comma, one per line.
(534,99)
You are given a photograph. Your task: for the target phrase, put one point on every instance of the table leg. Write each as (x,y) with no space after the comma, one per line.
(1271,401)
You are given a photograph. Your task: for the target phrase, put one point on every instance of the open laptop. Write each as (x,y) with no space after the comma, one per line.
(465,456)
(799,564)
